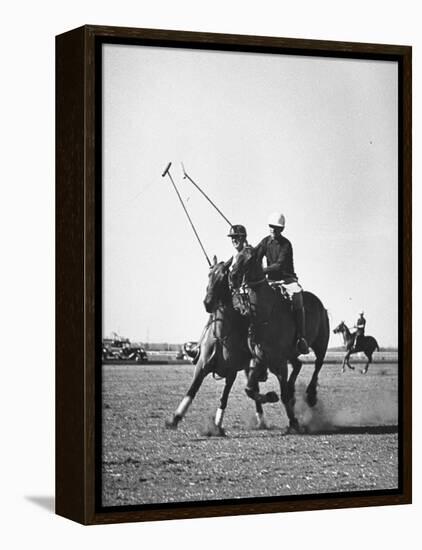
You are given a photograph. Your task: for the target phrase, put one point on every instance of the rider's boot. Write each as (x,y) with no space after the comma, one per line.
(355,344)
(299,315)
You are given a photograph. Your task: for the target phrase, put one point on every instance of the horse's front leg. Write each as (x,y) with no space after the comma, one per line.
(219,415)
(346,362)
(343,366)
(256,370)
(351,367)
(198,377)
(260,420)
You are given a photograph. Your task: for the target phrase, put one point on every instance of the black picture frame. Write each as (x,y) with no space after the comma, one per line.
(78,270)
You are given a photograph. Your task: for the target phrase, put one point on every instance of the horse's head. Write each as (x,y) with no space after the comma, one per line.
(339,328)
(247,268)
(218,285)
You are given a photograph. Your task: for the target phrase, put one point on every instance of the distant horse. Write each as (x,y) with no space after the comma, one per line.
(272,334)
(223,347)
(367,344)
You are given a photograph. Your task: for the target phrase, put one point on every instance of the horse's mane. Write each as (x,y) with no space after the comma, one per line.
(249,263)
(222,268)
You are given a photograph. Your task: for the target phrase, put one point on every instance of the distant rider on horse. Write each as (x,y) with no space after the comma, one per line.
(360,331)
(278,252)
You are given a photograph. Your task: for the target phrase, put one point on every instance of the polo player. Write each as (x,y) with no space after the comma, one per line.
(278,252)
(238,236)
(360,330)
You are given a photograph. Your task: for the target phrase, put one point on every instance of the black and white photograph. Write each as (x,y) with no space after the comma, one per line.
(250,317)
(211,264)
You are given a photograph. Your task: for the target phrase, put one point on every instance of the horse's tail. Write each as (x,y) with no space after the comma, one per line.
(326,331)
(327,320)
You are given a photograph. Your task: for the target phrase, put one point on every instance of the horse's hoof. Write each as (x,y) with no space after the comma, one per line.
(261,425)
(271,397)
(212,430)
(294,429)
(363,371)
(311,399)
(172,424)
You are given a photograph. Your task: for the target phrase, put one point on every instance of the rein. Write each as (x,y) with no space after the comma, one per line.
(214,321)
(253,284)
(245,298)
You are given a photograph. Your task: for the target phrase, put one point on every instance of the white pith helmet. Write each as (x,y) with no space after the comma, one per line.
(277,219)
(361,312)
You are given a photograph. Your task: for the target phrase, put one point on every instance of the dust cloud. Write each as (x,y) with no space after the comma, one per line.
(326,418)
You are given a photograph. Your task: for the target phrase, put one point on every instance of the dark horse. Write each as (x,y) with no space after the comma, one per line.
(223,347)
(272,333)
(367,344)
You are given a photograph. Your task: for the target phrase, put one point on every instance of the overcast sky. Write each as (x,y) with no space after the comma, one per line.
(315,138)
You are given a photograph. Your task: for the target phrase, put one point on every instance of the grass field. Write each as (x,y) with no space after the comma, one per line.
(351,442)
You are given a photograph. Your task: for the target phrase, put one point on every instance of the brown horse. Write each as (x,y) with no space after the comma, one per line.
(223,347)
(272,332)
(367,344)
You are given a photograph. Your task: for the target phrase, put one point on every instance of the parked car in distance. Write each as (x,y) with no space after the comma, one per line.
(121,349)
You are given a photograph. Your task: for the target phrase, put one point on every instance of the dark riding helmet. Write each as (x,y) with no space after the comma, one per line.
(237,231)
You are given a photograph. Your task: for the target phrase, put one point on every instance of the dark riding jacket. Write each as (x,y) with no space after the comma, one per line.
(360,326)
(279,254)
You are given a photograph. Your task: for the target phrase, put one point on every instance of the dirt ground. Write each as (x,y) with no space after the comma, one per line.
(351,441)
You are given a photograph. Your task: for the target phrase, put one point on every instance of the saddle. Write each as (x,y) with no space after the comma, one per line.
(240,296)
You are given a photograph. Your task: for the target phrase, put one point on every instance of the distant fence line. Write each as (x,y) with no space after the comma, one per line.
(173,357)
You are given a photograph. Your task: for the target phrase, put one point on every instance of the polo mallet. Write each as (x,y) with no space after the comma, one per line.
(167,172)
(186,175)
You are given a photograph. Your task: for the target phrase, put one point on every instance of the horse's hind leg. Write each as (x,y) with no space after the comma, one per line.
(291,383)
(365,369)
(285,398)
(219,415)
(319,345)
(198,377)
(311,390)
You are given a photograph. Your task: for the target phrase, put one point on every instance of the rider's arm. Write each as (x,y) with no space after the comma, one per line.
(260,249)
